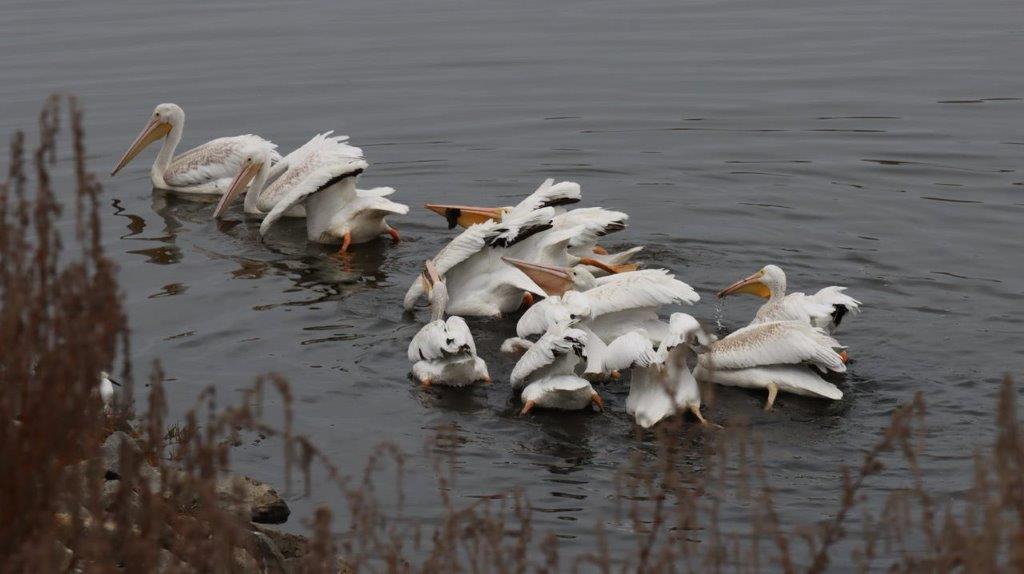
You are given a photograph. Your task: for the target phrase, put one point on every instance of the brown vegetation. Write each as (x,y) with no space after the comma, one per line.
(95,489)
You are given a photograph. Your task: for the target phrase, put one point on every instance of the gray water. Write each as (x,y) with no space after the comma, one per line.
(868,144)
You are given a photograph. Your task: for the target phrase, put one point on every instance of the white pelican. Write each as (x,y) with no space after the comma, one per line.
(546,373)
(443,352)
(824,309)
(206,169)
(555,195)
(321,175)
(661,383)
(605,308)
(773,356)
(479,283)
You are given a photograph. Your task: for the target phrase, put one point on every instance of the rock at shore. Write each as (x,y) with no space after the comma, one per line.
(263,503)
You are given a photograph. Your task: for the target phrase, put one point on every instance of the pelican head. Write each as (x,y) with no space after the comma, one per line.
(769,281)
(555,280)
(165,118)
(467,215)
(256,163)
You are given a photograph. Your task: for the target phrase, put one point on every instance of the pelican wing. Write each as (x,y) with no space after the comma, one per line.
(639,289)
(515,228)
(378,206)
(465,245)
(442,340)
(778,343)
(216,159)
(634,349)
(459,334)
(549,194)
(376,192)
(545,351)
(541,316)
(323,161)
(838,302)
(429,343)
(595,222)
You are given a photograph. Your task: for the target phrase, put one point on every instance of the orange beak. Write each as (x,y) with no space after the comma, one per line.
(153,131)
(553,280)
(752,285)
(238,185)
(613,269)
(465,215)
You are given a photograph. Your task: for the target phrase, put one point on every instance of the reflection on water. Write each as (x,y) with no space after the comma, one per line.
(829,139)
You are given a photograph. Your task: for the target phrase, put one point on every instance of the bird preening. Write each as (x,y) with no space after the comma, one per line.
(585,315)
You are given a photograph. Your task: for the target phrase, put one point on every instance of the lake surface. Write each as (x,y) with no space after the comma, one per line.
(875,145)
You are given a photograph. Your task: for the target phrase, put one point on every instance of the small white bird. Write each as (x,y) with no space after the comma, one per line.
(546,373)
(606,308)
(106,390)
(206,169)
(773,356)
(321,175)
(824,309)
(443,352)
(661,383)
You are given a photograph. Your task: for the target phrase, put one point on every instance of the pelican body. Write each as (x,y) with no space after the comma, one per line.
(546,373)
(824,309)
(661,383)
(207,169)
(443,352)
(776,356)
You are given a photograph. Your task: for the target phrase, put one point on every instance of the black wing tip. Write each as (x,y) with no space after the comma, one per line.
(613,227)
(838,312)
(523,234)
(337,178)
(560,201)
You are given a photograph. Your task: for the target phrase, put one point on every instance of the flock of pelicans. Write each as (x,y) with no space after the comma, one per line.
(590,314)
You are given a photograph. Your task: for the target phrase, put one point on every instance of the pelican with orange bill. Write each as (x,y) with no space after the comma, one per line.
(207,169)
(824,309)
